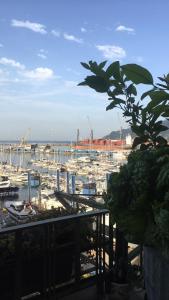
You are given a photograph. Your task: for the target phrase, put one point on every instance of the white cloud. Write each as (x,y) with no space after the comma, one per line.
(41,55)
(39,74)
(11,62)
(111,51)
(43,51)
(124,28)
(83,29)
(55,33)
(1,45)
(72,38)
(36,27)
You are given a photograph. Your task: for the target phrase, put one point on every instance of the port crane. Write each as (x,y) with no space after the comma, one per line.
(91,130)
(23,140)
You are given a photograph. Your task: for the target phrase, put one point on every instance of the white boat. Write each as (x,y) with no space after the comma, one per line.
(20,211)
(21,178)
(4,182)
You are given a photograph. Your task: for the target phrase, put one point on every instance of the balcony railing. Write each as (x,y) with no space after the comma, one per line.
(47,259)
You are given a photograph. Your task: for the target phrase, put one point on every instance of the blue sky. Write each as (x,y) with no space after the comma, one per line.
(41,46)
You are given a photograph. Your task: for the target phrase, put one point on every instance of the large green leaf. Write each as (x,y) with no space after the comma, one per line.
(159,95)
(115,103)
(102,64)
(160,110)
(137,74)
(86,66)
(114,70)
(97,83)
(111,105)
(144,95)
(97,69)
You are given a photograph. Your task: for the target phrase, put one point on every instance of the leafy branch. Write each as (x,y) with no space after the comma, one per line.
(120,82)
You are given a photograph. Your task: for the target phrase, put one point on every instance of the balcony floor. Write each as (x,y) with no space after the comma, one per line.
(91,294)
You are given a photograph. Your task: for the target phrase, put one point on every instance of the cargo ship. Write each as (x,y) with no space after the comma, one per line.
(104,144)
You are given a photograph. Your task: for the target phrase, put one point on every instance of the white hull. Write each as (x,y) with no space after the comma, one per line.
(4,184)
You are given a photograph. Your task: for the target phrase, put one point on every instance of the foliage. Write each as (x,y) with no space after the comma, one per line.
(142,113)
(138,196)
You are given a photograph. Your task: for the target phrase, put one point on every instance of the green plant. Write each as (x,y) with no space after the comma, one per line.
(142,113)
(138,196)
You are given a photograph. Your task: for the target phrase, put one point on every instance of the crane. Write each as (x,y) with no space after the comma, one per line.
(78,136)
(91,130)
(25,137)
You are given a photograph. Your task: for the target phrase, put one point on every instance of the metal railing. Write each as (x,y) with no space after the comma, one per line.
(46,258)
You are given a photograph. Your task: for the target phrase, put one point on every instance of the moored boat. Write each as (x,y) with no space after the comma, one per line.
(4,182)
(20,210)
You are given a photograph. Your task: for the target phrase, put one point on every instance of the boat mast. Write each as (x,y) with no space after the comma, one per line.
(29,187)
(10,158)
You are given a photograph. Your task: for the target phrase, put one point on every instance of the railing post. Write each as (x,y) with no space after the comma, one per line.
(45,262)
(73,184)
(77,252)
(18,269)
(121,257)
(103,244)
(110,275)
(100,279)
(58,180)
(67,183)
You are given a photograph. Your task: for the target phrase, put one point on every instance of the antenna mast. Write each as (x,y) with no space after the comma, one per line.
(77,137)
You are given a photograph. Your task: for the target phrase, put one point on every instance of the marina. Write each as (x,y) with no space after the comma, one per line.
(34,174)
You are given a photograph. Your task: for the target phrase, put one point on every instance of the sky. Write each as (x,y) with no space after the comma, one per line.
(42,43)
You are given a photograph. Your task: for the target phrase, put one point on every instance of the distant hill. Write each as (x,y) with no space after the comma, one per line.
(118,134)
(121,134)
